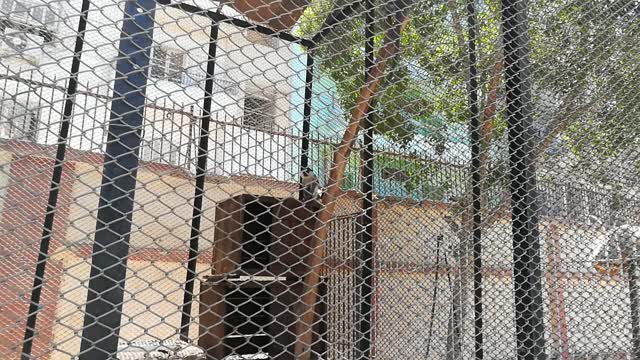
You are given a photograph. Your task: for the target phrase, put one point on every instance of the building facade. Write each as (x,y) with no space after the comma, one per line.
(252,101)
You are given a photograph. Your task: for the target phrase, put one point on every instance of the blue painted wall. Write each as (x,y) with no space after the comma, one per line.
(328,123)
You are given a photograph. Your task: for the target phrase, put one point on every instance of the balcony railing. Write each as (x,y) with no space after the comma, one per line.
(170,137)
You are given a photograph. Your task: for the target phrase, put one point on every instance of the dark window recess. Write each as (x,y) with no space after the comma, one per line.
(18,121)
(256,237)
(259,113)
(167,64)
(247,320)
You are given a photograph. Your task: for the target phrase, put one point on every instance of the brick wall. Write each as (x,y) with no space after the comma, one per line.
(21,224)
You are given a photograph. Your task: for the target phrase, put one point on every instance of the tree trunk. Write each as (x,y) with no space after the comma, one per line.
(456,23)
(389,50)
(565,116)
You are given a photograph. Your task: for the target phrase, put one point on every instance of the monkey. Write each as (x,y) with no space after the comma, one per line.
(310,186)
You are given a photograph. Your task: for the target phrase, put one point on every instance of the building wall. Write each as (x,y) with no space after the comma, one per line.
(598,316)
(585,311)
(152,302)
(24,203)
(243,68)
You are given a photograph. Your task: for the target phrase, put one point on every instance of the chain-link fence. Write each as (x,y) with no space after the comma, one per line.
(319,179)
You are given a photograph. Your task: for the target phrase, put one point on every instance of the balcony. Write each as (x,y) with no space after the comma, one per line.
(31,112)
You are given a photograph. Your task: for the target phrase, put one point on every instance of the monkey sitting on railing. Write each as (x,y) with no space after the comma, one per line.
(310,186)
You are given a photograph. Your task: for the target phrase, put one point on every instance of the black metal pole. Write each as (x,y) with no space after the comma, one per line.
(476,181)
(201,172)
(306,113)
(113,226)
(527,275)
(366,220)
(434,297)
(631,265)
(336,16)
(54,187)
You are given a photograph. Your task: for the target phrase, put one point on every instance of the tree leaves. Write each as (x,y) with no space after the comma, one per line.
(586,45)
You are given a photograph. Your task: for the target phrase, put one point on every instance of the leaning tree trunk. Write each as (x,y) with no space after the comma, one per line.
(388,51)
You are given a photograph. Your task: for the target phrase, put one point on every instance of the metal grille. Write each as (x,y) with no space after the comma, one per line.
(319,179)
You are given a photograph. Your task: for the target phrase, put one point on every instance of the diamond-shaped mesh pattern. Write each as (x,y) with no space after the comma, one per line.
(319,179)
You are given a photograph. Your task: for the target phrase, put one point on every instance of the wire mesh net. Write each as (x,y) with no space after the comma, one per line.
(319,179)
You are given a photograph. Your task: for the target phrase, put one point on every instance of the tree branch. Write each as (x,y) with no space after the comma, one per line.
(457,28)
(569,112)
(337,15)
(490,104)
(306,314)
(486,133)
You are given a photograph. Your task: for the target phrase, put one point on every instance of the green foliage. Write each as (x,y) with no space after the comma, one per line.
(592,45)
(424,180)
(322,159)
(425,80)
(584,53)
(424,90)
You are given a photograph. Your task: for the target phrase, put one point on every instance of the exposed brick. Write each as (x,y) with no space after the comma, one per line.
(21,225)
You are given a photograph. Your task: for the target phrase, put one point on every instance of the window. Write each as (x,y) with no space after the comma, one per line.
(259,113)
(167,64)
(30,12)
(160,151)
(17,121)
(261,39)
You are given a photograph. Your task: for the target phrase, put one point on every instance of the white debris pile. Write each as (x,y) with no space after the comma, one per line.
(155,349)
(258,356)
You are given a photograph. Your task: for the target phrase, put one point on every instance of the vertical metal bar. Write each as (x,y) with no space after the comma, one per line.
(476,181)
(306,121)
(434,297)
(13,132)
(54,187)
(31,126)
(84,122)
(113,226)
(201,172)
(527,277)
(366,219)
(631,265)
